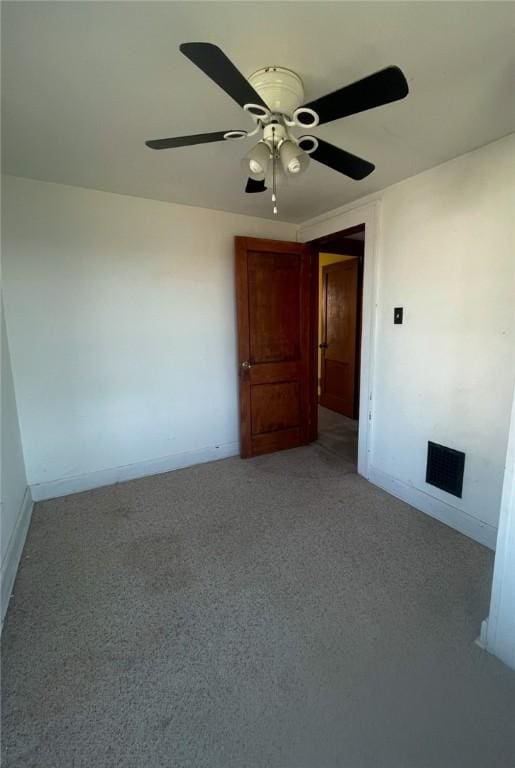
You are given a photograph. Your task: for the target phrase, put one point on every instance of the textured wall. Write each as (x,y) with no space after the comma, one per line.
(121,315)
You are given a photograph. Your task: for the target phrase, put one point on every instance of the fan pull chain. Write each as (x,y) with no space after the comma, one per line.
(274,196)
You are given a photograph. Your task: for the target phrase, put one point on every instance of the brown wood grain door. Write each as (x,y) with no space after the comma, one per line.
(275,345)
(339,336)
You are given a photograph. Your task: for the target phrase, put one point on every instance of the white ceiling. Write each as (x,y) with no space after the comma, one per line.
(85,83)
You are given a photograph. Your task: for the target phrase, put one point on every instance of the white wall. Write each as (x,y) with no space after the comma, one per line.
(446,253)
(15,499)
(121,318)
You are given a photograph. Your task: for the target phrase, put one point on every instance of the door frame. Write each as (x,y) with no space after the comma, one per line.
(369,215)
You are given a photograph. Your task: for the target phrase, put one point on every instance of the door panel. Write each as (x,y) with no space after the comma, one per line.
(274,317)
(277,379)
(338,379)
(275,406)
(339,336)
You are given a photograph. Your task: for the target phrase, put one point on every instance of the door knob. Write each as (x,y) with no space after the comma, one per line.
(323,345)
(246,365)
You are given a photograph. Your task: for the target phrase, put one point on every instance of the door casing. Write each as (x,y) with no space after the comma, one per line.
(345,219)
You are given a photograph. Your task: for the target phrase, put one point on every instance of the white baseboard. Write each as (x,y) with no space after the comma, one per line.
(456,518)
(14,550)
(67,485)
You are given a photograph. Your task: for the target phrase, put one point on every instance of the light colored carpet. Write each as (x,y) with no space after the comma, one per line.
(276,612)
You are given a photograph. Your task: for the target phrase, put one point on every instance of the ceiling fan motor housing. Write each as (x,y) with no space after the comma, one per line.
(280,88)
(275,133)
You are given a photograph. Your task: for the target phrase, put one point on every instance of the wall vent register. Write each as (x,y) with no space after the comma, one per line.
(445,468)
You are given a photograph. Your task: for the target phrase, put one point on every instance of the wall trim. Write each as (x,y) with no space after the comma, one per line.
(15,549)
(67,485)
(333,213)
(499,632)
(461,521)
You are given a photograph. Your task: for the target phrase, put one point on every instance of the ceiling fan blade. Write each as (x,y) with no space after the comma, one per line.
(215,64)
(340,160)
(255,186)
(186,141)
(382,87)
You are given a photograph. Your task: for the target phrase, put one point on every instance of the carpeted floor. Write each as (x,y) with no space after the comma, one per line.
(279,612)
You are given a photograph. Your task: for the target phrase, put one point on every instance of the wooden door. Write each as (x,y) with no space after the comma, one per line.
(338,388)
(276,345)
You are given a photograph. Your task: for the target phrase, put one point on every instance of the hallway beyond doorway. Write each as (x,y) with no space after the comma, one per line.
(338,433)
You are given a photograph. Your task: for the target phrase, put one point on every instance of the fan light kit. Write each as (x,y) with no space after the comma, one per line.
(273,98)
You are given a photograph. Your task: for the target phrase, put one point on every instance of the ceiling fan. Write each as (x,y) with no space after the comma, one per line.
(273,97)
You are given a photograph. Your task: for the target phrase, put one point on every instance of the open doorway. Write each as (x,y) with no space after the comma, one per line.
(340,287)
(278,305)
